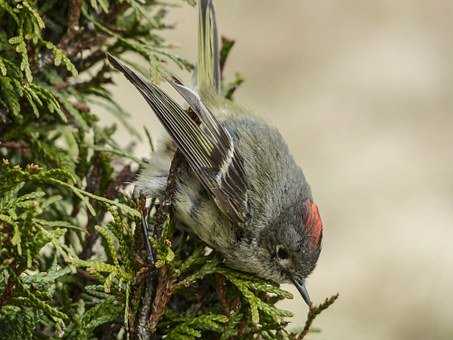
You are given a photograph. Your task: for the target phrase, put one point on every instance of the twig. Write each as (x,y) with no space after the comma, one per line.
(20,146)
(165,208)
(81,106)
(165,283)
(241,329)
(220,289)
(146,326)
(75,7)
(142,330)
(314,312)
(164,291)
(10,286)
(7,292)
(86,275)
(145,292)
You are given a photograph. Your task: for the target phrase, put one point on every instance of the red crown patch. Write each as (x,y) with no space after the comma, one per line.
(313,223)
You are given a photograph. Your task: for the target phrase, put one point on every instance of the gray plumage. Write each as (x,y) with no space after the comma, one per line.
(241,191)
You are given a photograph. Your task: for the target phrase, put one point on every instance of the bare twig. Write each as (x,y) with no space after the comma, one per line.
(313,313)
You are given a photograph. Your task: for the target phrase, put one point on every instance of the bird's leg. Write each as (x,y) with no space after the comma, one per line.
(146,232)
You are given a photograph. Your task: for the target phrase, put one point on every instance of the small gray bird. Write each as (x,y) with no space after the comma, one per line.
(240,191)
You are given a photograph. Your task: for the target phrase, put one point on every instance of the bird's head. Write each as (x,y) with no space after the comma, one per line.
(293,244)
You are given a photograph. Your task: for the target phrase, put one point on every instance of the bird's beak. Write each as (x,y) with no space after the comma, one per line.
(300,285)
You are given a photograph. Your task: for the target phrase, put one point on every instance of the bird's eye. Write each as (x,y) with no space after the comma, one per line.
(282,253)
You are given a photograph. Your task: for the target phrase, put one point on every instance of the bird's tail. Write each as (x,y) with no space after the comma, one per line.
(208,64)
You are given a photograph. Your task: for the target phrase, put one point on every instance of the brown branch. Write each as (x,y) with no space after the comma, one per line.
(81,106)
(313,313)
(7,293)
(10,286)
(20,146)
(145,282)
(165,208)
(148,318)
(75,7)
(220,289)
(86,275)
(165,282)
(115,11)
(164,291)
(140,331)
(241,330)
(146,326)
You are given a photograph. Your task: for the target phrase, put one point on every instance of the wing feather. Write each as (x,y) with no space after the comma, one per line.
(208,147)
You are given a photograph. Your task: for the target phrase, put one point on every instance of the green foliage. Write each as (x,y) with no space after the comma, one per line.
(72,255)
(192,327)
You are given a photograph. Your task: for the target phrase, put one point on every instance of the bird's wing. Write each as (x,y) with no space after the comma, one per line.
(208,147)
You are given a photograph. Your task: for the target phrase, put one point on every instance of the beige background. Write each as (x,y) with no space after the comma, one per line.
(362,92)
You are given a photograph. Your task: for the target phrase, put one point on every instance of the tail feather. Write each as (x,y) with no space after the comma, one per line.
(208,64)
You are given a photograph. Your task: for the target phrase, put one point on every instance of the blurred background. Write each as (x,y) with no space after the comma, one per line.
(361,90)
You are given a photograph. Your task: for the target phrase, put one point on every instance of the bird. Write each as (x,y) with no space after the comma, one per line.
(239,189)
